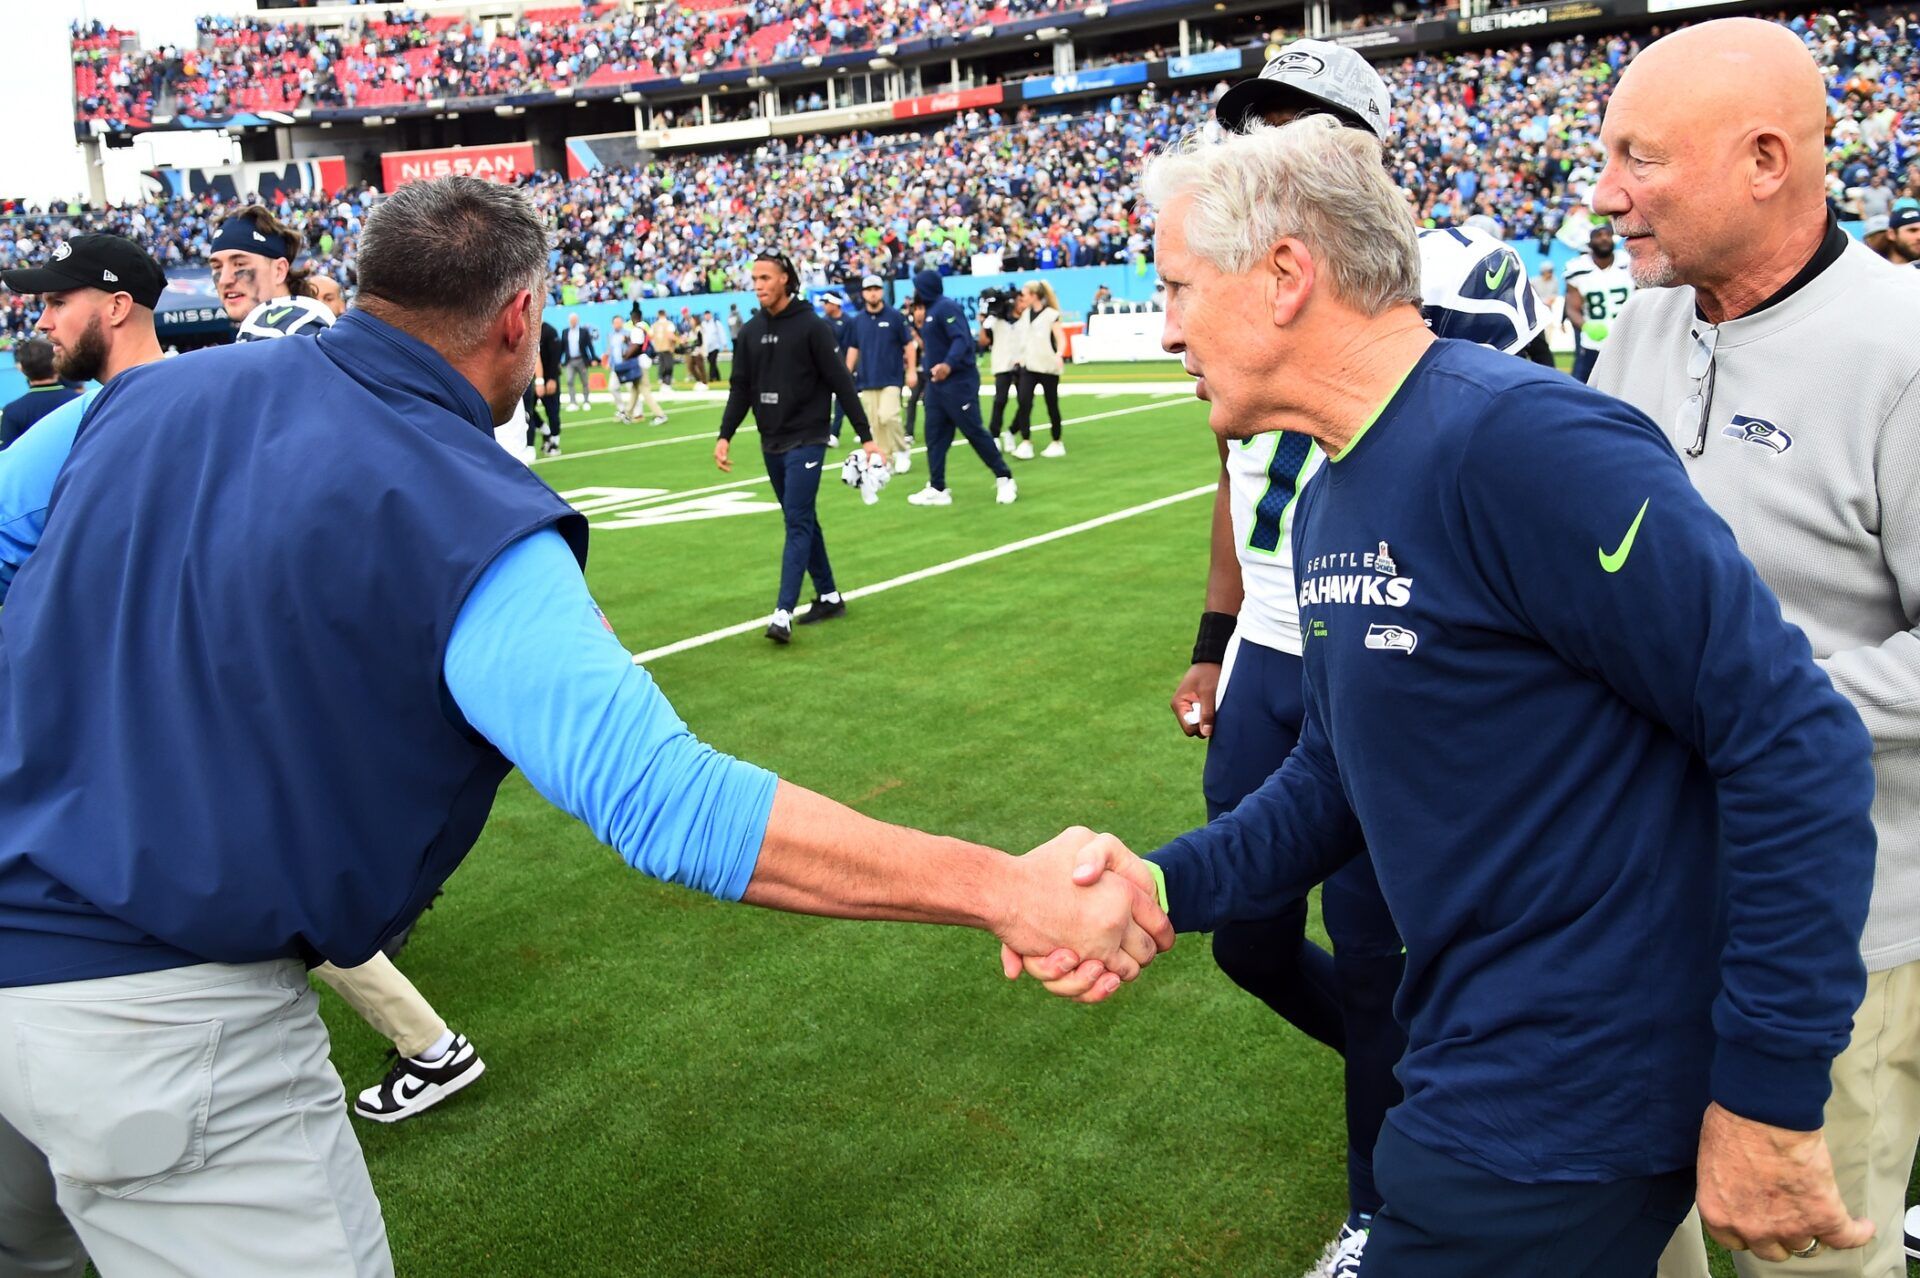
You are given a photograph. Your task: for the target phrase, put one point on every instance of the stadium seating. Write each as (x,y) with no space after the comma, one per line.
(1507,132)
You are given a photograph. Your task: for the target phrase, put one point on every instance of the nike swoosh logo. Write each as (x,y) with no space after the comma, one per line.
(1618,559)
(274,315)
(1494,277)
(813,465)
(408,1088)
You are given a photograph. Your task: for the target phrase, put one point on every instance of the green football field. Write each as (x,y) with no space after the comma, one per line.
(678,1086)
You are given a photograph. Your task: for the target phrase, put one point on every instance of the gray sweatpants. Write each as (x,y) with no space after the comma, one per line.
(179,1123)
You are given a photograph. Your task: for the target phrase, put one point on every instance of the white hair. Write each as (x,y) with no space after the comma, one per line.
(1312,179)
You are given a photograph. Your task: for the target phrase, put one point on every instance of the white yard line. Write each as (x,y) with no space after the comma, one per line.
(761,479)
(952,565)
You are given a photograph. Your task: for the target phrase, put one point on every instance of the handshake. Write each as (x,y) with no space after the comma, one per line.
(1086,916)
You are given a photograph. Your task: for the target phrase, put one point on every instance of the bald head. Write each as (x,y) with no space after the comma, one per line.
(1715,156)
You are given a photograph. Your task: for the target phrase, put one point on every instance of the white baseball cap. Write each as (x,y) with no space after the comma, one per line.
(1331,75)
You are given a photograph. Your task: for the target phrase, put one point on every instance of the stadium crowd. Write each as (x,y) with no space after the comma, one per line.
(258,64)
(1508,133)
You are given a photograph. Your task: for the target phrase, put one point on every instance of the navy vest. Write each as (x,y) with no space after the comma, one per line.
(224,735)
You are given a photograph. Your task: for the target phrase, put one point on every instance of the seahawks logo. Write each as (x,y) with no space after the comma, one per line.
(1755,430)
(1388,638)
(1298,62)
(62,252)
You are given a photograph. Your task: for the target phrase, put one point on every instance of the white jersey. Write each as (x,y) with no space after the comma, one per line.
(1599,294)
(1473,288)
(284,317)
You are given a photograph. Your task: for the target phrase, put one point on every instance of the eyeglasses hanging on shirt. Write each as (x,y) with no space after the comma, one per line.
(1698,405)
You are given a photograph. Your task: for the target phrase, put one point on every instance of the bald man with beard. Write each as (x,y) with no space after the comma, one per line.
(1778,355)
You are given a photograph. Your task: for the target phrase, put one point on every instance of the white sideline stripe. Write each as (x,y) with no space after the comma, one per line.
(742,483)
(952,565)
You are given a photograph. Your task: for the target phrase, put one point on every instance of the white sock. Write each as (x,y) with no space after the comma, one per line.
(781,617)
(832,596)
(438,1048)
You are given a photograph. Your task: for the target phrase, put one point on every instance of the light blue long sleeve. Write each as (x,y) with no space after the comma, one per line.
(27,472)
(535,668)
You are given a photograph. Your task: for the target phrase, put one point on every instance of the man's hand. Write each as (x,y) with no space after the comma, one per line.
(1099,863)
(1197,692)
(552,386)
(941,372)
(872,448)
(1769,1190)
(720,450)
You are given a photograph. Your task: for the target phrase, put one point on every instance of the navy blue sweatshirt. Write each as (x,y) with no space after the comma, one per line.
(1619,815)
(946,337)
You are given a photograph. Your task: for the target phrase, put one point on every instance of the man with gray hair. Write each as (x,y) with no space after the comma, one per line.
(226,755)
(1779,357)
(1618,813)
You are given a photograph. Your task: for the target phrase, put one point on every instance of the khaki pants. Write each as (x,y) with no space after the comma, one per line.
(179,1124)
(1873,1123)
(385,999)
(639,393)
(883,413)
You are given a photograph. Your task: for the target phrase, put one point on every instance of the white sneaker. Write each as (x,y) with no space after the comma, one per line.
(1023,451)
(701,387)
(1913,1233)
(1006,441)
(902,462)
(1322,1267)
(1005,490)
(931,496)
(1349,1248)
(1055,449)
(659,419)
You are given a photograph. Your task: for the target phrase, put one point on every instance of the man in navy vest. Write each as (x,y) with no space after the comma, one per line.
(258,685)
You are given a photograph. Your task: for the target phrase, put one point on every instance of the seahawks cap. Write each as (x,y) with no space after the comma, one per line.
(1329,75)
(1902,217)
(111,263)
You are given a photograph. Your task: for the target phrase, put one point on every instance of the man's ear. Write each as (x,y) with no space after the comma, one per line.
(118,310)
(517,318)
(1289,273)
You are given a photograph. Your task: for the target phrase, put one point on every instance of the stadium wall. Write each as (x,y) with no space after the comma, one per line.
(1074,285)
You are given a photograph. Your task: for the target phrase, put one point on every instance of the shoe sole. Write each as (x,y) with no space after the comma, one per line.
(814,621)
(433,1095)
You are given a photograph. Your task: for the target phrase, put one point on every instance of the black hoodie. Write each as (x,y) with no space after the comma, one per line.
(787,368)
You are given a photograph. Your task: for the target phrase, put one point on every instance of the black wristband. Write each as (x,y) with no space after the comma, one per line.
(1210,646)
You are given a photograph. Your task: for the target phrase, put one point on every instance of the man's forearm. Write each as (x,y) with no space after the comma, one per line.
(820,857)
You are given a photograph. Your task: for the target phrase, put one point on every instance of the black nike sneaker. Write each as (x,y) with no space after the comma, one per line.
(822,611)
(413,1085)
(780,630)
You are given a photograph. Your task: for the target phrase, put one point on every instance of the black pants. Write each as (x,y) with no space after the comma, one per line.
(1049,384)
(1446,1219)
(912,410)
(958,410)
(1002,390)
(534,403)
(795,476)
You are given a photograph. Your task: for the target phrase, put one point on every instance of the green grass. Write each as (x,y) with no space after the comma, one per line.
(677,1086)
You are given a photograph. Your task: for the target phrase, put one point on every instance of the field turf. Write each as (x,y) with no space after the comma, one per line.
(681,1087)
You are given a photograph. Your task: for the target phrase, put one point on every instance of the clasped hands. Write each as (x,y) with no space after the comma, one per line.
(1086,916)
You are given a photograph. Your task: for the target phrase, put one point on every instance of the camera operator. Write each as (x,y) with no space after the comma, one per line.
(1000,332)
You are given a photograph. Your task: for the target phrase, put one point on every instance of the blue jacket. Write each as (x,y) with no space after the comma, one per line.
(224,732)
(1619,815)
(946,337)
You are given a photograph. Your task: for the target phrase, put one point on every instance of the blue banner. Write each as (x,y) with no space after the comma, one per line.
(1204,63)
(1053,86)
